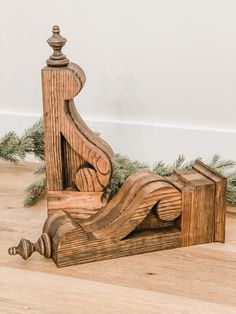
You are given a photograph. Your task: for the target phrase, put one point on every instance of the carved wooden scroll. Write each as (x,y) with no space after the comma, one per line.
(148,213)
(75,156)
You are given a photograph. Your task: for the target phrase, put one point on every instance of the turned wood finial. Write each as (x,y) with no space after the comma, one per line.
(56,41)
(26,248)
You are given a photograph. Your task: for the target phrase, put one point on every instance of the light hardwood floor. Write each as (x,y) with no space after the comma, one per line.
(200,279)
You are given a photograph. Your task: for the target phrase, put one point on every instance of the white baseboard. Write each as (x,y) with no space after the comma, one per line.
(145,142)
(11,121)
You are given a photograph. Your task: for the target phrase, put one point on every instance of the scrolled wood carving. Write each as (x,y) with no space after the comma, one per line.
(131,205)
(118,220)
(147,214)
(75,155)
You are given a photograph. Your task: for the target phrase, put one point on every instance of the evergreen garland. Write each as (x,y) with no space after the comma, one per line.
(14,148)
(10,148)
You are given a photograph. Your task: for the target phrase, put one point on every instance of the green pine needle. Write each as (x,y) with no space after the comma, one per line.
(34,192)
(10,147)
(123,168)
(41,169)
(32,142)
(14,148)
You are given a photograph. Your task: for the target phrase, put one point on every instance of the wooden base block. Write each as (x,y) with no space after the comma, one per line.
(68,253)
(198,206)
(220,197)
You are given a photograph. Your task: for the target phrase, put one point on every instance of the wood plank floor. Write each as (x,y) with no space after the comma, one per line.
(200,279)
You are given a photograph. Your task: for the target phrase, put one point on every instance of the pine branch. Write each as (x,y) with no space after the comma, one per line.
(123,168)
(15,148)
(231,188)
(10,147)
(32,142)
(167,169)
(34,192)
(221,165)
(41,169)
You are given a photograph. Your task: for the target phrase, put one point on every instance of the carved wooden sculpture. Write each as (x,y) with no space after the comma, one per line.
(148,213)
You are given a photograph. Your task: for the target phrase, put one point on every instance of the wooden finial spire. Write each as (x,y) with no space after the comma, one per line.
(56,41)
(26,248)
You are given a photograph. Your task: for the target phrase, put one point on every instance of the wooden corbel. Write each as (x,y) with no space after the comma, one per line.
(148,213)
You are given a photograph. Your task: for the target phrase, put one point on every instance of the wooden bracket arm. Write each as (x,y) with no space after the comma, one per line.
(148,213)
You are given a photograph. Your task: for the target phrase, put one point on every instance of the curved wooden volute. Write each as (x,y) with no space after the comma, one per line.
(75,155)
(132,204)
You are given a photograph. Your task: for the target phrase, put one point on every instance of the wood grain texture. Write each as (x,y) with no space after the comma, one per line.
(195,279)
(80,205)
(26,248)
(65,254)
(152,221)
(131,222)
(112,231)
(73,245)
(139,194)
(148,213)
(69,294)
(69,144)
(220,197)
(198,206)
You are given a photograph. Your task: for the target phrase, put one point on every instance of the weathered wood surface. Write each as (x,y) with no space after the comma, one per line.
(131,205)
(111,231)
(75,156)
(187,199)
(197,279)
(80,205)
(69,144)
(72,245)
(198,206)
(78,159)
(220,201)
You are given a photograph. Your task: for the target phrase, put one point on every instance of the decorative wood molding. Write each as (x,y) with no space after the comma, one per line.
(26,248)
(148,213)
(75,155)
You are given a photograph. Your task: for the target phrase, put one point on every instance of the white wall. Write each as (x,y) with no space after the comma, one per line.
(161,75)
